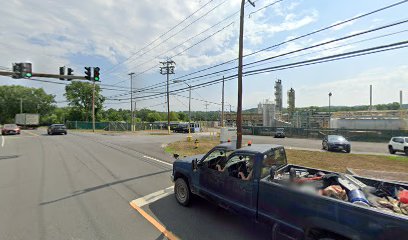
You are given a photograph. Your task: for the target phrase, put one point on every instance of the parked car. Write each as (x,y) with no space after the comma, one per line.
(280,133)
(10,129)
(295,201)
(398,144)
(181,128)
(336,142)
(57,129)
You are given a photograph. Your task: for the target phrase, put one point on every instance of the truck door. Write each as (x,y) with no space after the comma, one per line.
(240,185)
(211,180)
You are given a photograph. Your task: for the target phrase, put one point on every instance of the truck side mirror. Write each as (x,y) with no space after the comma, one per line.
(195,164)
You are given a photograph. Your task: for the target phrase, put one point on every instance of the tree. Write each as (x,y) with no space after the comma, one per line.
(35,100)
(173,116)
(153,117)
(183,116)
(79,96)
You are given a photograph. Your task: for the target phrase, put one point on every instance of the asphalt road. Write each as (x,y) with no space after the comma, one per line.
(316,145)
(79,187)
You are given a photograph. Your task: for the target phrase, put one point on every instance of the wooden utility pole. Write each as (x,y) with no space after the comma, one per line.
(168,68)
(240,50)
(131,102)
(222,103)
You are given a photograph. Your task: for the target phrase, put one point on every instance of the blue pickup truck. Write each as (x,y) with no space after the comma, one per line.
(295,201)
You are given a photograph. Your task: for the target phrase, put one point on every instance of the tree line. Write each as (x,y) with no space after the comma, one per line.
(79,98)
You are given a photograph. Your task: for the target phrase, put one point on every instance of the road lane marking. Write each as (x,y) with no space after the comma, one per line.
(152,197)
(3,141)
(154,222)
(32,134)
(157,160)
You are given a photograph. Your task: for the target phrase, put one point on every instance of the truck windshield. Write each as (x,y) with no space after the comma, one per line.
(275,157)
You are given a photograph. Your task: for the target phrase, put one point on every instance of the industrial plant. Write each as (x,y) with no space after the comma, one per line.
(273,114)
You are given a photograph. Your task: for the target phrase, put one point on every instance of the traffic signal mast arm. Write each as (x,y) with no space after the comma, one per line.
(45,75)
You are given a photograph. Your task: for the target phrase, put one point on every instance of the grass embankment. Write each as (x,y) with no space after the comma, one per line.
(333,161)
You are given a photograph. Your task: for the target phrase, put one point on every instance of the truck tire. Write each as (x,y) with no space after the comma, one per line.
(348,150)
(182,192)
(406,151)
(391,150)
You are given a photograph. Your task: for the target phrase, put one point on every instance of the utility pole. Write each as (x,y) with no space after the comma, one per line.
(93,107)
(206,114)
(222,103)
(241,46)
(21,105)
(168,67)
(131,102)
(330,94)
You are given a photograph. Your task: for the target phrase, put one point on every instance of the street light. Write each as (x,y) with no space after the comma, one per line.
(330,94)
(189,105)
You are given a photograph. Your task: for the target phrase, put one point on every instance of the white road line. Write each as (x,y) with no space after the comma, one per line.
(157,160)
(3,141)
(152,197)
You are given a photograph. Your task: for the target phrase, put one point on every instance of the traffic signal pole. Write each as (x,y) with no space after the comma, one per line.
(93,107)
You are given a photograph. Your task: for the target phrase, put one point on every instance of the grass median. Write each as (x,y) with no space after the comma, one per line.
(333,161)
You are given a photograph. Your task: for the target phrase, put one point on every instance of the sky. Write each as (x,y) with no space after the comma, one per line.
(125,36)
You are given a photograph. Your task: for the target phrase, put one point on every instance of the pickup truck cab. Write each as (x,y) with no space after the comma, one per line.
(256,181)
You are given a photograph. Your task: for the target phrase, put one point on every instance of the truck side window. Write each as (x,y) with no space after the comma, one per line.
(218,156)
(275,157)
(240,166)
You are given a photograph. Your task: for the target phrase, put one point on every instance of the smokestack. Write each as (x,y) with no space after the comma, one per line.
(401,99)
(371,97)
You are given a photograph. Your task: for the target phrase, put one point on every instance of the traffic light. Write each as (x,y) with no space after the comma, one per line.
(16,70)
(62,72)
(22,70)
(70,73)
(27,70)
(96,73)
(88,73)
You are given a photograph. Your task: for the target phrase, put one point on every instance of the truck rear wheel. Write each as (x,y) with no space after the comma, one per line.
(182,192)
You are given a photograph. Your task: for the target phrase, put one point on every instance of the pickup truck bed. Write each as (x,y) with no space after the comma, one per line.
(299,210)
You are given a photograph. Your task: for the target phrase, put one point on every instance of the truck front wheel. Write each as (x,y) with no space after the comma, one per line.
(182,192)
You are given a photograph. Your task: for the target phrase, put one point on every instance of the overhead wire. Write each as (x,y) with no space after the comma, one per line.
(220,72)
(291,40)
(163,34)
(361,52)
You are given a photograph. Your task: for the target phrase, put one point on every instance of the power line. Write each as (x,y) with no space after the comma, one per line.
(163,34)
(292,39)
(336,57)
(163,53)
(295,51)
(271,4)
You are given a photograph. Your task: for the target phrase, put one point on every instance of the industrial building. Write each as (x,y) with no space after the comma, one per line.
(373,120)
(248,119)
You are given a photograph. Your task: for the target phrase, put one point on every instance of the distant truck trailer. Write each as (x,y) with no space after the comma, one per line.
(28,120)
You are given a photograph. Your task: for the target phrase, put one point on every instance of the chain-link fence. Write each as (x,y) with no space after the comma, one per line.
(114,126)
